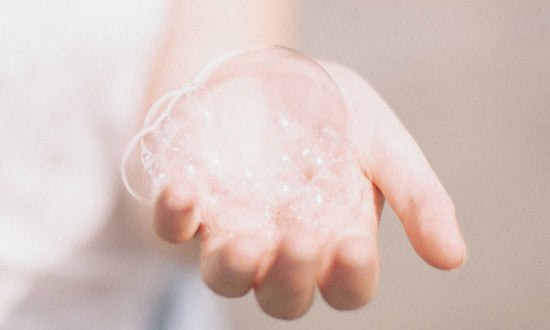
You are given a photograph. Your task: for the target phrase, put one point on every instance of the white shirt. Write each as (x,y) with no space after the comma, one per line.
(72,75)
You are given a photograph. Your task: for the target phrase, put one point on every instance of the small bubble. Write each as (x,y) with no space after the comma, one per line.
(284,123)
(319,199)
(286,188)
(305,151)
(319,160)
(285,158)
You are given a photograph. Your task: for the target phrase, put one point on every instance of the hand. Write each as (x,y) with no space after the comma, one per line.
(283,262)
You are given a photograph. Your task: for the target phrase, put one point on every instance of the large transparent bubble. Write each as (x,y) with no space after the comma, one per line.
(264,129)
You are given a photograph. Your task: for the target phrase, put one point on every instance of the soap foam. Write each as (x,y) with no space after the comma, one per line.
(264,130)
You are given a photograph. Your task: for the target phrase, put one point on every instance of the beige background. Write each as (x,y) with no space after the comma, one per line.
(471,81)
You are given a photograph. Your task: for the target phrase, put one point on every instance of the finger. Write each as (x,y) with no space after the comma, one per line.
(395,163)
(352,277)
(350,272)
(414,192)
(286,291)
(176,219)
(229,265)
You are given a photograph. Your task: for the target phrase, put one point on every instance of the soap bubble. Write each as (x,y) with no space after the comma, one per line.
(264,129)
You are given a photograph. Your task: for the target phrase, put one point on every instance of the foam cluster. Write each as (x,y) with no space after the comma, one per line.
(263,130)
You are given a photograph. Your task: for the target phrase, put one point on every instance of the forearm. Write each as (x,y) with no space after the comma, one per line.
(201,30)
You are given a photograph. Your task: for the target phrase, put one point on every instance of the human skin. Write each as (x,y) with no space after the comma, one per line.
(283,270)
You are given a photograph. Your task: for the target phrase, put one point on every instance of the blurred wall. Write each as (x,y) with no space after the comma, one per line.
(471,82)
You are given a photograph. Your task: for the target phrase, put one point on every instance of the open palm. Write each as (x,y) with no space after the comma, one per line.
(313,222)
